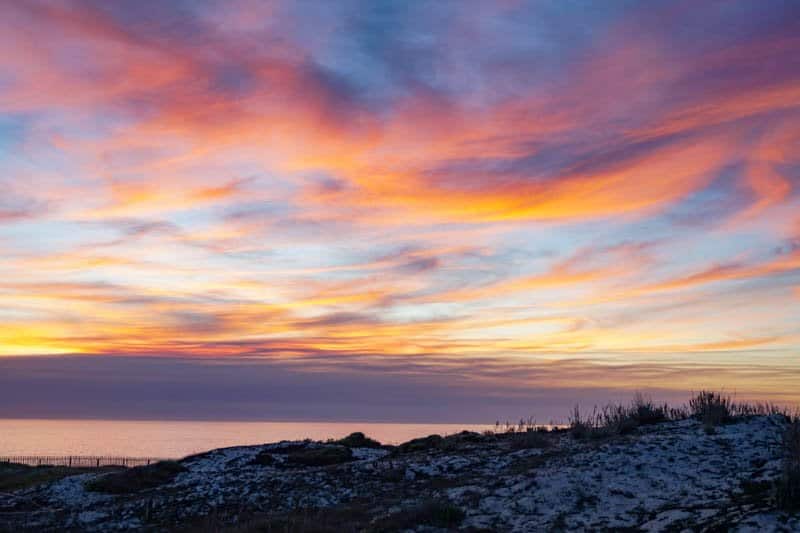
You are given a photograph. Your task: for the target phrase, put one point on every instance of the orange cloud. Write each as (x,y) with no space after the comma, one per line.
(588,266)
(120,64)
(246,195)
(784,263)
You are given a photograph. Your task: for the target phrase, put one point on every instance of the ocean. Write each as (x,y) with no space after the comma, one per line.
(170,439)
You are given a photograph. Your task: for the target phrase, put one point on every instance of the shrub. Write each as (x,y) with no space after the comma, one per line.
(457,441)
(758,408)
(615,419)
(581,426)
(610,420)
(531,439)
(618,419)
(646,413)
(358,440)
(434,513)
(469,437)
(712,408)
(430,442)
(594,426)
(264,458)
(136,479)
(347,518)
(788,493)
(328,455)
(14,476)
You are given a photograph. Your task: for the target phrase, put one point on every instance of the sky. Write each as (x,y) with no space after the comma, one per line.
(378,210)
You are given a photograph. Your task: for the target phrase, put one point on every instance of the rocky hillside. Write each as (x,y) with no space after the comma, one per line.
(668,476)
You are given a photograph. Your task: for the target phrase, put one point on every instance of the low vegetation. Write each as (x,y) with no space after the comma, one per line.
(325,456)
(618,419)
(447,443)
(263,458)
(355,517)
(136,479)
(438,482)
(358,440)
(434,513)
(350,518)
(421,444)
(303,454)
(711,408)
(788,489)
(531,439)
(15,476)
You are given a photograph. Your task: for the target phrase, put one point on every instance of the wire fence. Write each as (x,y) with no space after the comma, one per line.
(76,461)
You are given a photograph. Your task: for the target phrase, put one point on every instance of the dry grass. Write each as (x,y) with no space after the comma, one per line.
(712,408)
(617,419)
(715,408)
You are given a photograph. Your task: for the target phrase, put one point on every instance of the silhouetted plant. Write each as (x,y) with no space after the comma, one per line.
(600,423)
(617,419)
(358,440)
(431,442)
(581,426)
(711,408)
(645,412)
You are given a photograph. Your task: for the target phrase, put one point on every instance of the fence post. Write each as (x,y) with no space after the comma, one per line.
(78,461)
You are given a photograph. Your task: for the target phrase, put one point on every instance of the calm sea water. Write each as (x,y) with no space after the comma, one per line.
(171,439)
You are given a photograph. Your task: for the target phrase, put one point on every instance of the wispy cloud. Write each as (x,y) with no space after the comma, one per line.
(424,182)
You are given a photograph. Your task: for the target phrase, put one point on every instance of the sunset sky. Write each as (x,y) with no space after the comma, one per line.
(360,209)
